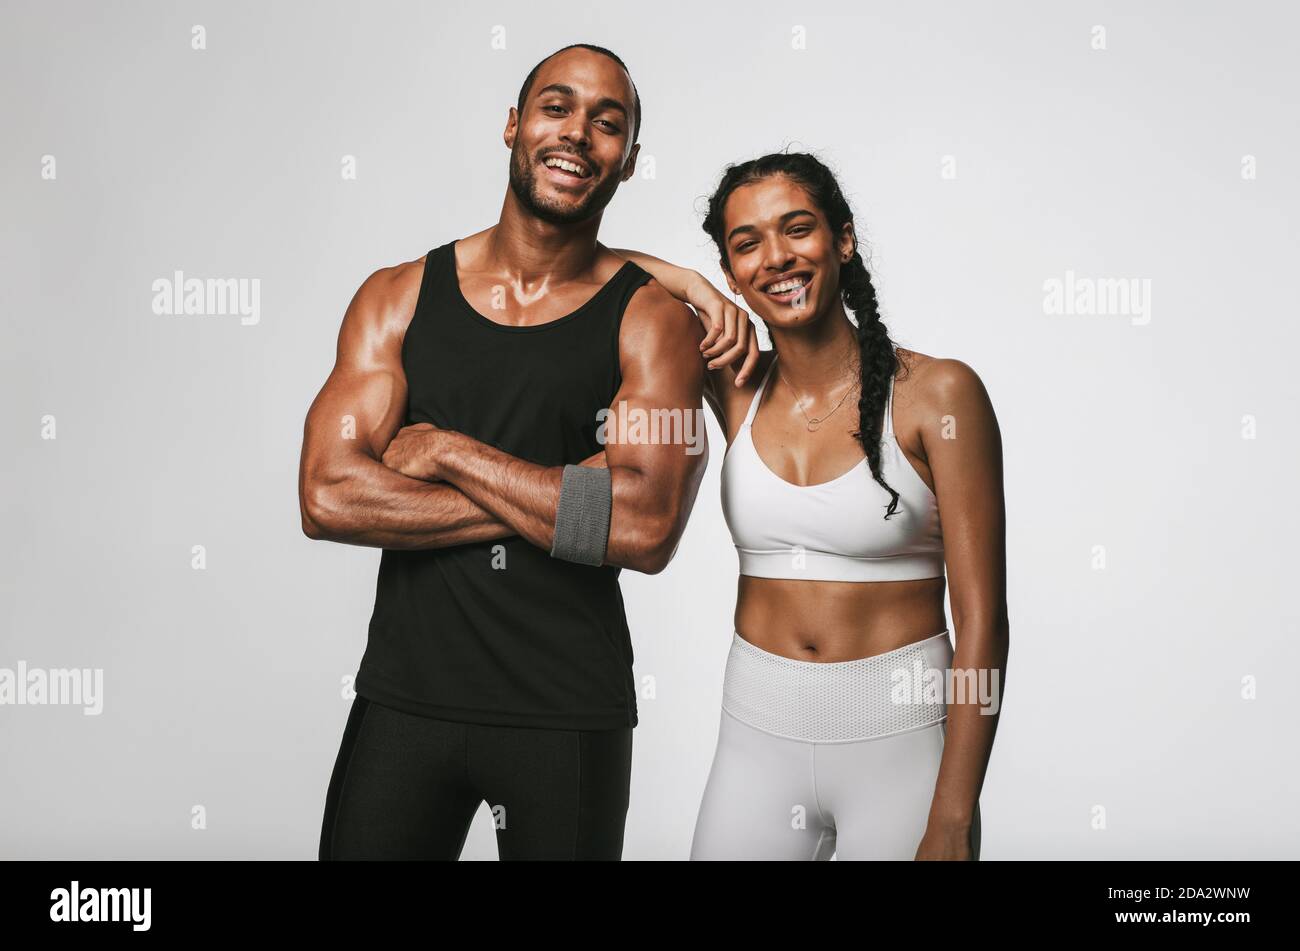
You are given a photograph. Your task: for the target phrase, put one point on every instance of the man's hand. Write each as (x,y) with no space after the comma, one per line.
(414,451)
(417,450)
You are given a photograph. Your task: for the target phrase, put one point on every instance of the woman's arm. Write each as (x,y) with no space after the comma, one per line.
(676,280)
(730,340)
(963,446)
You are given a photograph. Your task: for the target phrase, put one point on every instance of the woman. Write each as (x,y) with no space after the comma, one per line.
(835,517)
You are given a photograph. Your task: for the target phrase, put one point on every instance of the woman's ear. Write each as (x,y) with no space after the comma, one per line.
(848,243)
(731,281)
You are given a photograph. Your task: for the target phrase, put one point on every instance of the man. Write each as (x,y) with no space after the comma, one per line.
(499,664)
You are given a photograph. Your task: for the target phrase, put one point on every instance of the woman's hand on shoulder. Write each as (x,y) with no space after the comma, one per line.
(729,341)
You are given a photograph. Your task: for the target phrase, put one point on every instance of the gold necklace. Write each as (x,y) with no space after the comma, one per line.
(814,422)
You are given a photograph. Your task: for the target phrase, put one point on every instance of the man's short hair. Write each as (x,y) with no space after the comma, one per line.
(528,83)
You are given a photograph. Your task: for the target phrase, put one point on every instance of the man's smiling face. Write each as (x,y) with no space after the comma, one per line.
(571,148)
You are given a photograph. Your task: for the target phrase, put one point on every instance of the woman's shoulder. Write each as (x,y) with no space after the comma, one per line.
(932,387)
(933,374)
(733,401)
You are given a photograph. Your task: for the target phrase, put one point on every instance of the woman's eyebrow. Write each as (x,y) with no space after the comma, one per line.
(784,218)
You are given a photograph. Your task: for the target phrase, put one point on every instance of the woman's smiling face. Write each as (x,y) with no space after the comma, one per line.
(783,257)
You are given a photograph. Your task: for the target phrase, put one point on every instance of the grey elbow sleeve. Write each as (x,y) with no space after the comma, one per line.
(582,516)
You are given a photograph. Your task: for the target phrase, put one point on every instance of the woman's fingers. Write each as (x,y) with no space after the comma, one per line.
(751,357)
(727,339)
(744,336)
(712,328)
(712,316)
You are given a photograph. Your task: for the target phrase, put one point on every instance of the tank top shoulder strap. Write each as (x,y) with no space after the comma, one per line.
(630,277)
(619,290)
(434,279)
(758,394)
(433,283)
(439,259)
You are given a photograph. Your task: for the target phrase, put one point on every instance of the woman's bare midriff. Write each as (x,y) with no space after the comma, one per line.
(837,620)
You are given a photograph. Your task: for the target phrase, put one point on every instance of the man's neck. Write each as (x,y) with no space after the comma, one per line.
(528,249)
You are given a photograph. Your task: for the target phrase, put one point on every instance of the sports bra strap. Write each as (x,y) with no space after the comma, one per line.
(758,395)
(889,408)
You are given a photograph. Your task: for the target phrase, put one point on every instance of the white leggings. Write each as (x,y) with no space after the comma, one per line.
(816,759)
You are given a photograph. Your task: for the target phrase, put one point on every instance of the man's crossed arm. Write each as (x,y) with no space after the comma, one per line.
(653,481)
(345,492)
(348,494)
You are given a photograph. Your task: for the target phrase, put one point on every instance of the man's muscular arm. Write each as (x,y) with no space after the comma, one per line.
(653,484)
(345,493)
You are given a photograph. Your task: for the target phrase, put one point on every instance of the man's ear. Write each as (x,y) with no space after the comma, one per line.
(512,128)
(629,167)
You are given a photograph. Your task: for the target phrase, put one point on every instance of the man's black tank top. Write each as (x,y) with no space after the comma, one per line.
(499,632)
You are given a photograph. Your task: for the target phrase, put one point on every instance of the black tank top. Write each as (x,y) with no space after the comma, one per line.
(499,632)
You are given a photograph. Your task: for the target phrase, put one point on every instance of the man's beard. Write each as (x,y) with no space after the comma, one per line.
(523,182)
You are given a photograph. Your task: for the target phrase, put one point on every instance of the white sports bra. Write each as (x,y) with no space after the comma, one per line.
(831,531)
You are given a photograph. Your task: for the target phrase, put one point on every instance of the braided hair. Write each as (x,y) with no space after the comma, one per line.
(877,359)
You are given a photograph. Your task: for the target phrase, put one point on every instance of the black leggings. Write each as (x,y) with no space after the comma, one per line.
(407,787)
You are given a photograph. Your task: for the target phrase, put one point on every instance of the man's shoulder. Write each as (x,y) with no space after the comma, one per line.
(389,295)
(654,315)
(401,278)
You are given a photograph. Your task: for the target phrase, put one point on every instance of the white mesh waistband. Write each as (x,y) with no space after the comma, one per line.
(837,702)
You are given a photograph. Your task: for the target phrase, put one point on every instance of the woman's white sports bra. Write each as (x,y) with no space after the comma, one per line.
(831,531)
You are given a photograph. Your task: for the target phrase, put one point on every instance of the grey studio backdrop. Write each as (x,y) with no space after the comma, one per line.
(995,155)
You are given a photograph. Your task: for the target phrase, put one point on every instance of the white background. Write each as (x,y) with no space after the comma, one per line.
(223,686)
